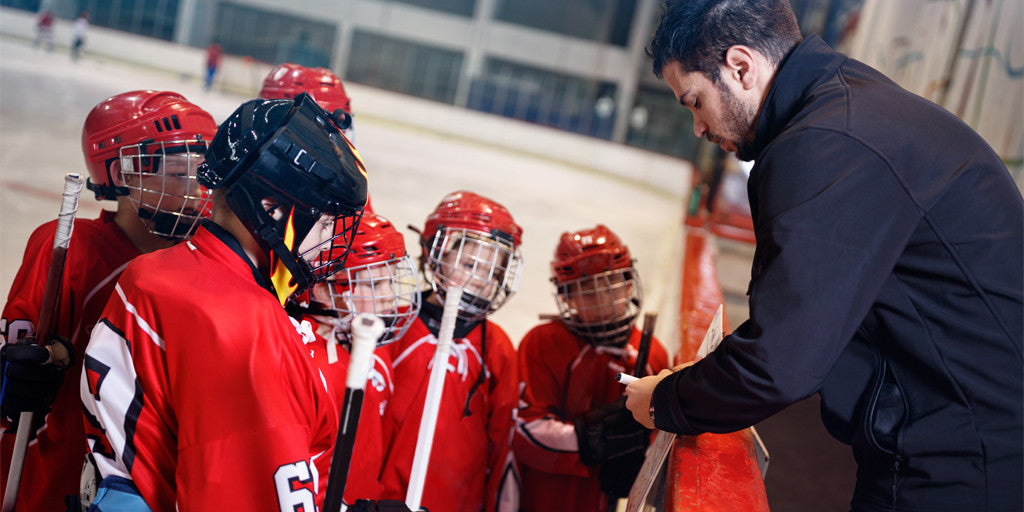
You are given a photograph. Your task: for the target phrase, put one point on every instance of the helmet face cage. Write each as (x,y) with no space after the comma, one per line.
(486,267)
(388,289)
(160,178)
(601,308)
(325,245)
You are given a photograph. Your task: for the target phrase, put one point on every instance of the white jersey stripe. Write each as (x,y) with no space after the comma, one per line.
(117,393)
(85,304)
(143,324)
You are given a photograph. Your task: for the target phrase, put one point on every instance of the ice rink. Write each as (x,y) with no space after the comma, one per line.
(44,99)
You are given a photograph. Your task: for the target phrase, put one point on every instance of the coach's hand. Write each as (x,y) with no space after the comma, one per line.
(31,375)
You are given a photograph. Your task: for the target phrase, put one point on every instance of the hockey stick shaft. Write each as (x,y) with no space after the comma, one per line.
(432,403)
(51,292)
(646,335)
(366,329)
(639,370)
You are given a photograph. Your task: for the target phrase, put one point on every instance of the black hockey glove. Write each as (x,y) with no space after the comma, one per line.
(29,382)
(617,474)
(610,432)
(381,506)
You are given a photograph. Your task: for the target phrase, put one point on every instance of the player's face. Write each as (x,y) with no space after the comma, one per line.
(170,187)
(718,114)
(600,299)
(474,265)
(369,290)
(317,239)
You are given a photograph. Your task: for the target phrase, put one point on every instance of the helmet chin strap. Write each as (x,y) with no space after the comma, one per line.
(167,225)
(265,231)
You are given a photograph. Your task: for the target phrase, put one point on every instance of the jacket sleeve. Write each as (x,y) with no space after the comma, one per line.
(831,221)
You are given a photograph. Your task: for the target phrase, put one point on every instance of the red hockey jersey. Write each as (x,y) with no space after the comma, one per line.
(198,388)
(564,378)
(98,253)
(471,466)
(368,453)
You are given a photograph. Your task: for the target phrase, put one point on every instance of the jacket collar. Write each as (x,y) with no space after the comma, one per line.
(808,65)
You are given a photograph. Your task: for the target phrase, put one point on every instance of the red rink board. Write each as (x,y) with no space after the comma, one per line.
(710,472)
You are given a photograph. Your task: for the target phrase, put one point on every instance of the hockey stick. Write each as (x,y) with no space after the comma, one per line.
(432,403)
(639,370)
(366,329)
(644,350)
(61,239)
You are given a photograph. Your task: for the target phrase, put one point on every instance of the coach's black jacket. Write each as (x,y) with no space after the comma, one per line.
(887,278)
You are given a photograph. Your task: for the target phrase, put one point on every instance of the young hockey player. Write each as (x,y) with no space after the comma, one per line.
(575,441)
(141,149)
(288,80)
(198,391)
(378,278)
(472,242)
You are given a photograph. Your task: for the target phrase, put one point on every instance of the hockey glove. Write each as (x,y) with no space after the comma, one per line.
(610,432)
(617,474)
(29,379)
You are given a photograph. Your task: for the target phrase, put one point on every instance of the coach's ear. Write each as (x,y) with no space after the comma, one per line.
(741,65)
(747,72)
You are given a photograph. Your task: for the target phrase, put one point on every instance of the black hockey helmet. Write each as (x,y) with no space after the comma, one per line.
(292,153)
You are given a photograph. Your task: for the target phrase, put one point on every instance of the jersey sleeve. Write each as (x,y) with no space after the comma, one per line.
(21,311)
(543,441)
(502,483)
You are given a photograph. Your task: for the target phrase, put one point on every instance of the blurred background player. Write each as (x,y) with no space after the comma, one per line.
(198,391)
(576,443)
(78,32)
(141,149)
(44,29)
(472,242)
(378,278)
(213,55)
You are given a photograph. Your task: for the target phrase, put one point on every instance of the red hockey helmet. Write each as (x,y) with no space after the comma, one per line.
(287,80)
(473,212)
(134,117)
(588,252)
(473,242)
(378,278)
(158,138)
(598,288)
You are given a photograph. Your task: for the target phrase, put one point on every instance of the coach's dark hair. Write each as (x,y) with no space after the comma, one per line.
(697,33)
